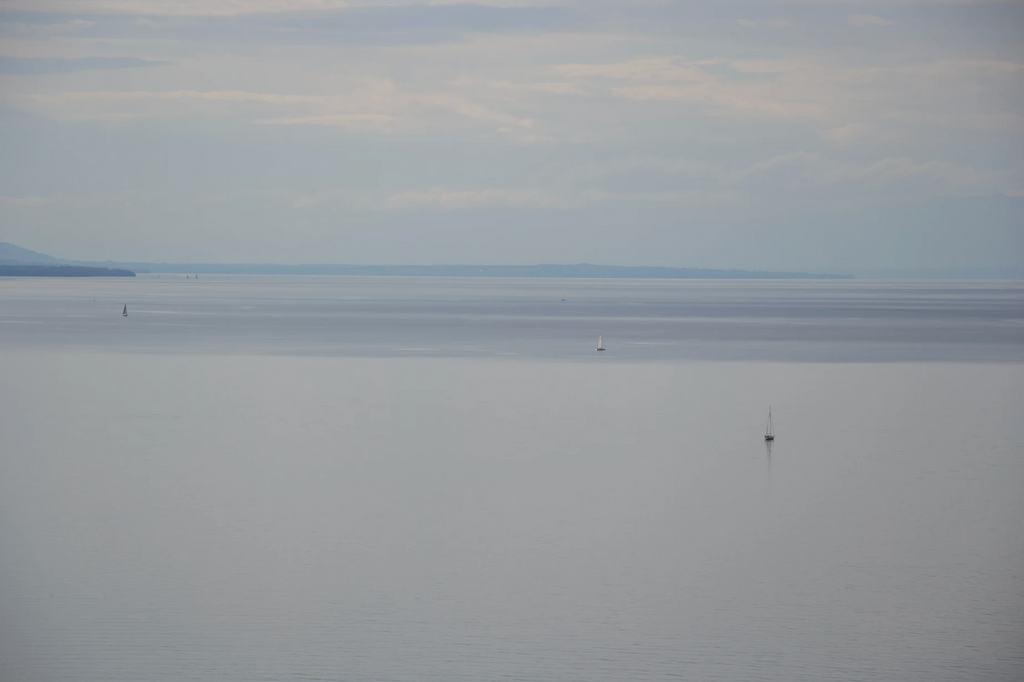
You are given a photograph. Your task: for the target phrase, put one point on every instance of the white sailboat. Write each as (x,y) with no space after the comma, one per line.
(769,434)
(124,313)
(600,342)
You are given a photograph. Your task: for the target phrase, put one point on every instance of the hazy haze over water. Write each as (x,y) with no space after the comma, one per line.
(391,479)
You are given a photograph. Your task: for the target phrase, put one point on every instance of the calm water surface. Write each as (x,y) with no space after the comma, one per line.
(394,479)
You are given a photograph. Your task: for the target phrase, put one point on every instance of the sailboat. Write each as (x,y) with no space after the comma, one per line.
(769,434)
(124,313)
(600,342)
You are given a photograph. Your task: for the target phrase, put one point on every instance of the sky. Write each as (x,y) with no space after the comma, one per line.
(813,135)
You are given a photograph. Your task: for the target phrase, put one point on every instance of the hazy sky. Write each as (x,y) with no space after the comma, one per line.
(816,135)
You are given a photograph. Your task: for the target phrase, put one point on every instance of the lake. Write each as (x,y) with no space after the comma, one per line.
(331,478)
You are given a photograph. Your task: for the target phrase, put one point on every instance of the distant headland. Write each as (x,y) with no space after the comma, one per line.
(15,256)
(9,270)
(18,262)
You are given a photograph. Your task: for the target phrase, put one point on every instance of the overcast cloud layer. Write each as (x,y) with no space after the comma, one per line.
(819,135)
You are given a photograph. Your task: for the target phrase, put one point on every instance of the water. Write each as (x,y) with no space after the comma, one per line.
(642,321)
(390,479)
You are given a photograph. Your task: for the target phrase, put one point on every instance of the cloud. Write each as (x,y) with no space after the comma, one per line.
(68,99)
(674,80)
(553,199)
(296,22)
(759,66)
(751,101)
(23,29)
(779,22)
(652,69)
(845,101)
(681,198)
(809,174)
(382,123)
(172,7)
(369,105)
(42,65)
(805,171)
(228,8)
(674,166)
(865,20)
(357,109)
(536,85)
(465,200)
(848,134)
(27,202)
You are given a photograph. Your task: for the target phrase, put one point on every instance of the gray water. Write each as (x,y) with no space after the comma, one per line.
(393,479)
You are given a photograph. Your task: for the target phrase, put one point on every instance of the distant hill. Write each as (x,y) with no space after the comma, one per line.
(12,255)
(33,270)
(9,253)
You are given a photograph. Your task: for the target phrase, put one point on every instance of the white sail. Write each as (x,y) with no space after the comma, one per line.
(768,434)
(600,342)
(124,312)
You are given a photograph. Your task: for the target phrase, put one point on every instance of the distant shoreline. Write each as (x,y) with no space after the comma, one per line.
(578,271)
(61,271)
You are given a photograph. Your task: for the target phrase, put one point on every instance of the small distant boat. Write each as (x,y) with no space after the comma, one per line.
(769,434)
(124,313)
(600,342)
